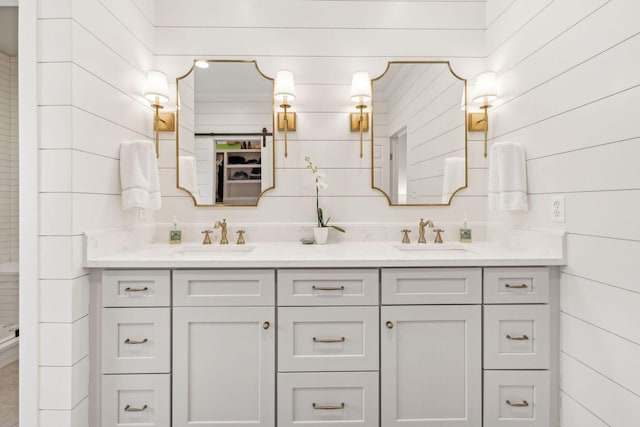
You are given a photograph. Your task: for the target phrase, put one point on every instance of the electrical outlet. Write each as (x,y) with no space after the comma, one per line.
(142,214)
(557,209)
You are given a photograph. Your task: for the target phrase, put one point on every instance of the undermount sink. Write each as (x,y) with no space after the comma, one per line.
(430,247)
(214,250)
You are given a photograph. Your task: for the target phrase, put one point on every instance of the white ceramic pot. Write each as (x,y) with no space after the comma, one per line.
(320,235)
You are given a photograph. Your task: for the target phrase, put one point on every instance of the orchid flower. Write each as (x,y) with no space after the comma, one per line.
(320,185)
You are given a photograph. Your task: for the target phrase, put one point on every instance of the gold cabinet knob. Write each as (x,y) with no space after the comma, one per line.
(266,325)
(390,324)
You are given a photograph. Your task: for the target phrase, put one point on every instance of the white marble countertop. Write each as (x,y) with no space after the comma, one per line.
(342,254)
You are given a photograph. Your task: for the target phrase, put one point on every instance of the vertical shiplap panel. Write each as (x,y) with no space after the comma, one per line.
(102,48)
(565,96)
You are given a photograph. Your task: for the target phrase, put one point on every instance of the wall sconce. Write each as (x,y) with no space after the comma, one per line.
(157,93)
(486,91)
(360,93)
(285,92)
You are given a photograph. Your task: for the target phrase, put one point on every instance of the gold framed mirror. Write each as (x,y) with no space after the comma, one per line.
(419,137)
(224,133)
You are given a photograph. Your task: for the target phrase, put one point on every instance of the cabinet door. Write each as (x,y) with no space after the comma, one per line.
(224,366)
(431,366)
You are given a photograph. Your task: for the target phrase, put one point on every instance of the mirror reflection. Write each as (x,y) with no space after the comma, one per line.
(419,140)
(225,128)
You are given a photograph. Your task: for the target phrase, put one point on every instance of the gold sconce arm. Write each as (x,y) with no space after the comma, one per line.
(285,92)
(156,126)
(361,107)
(157,93)
(360,93)
(486,91)
(162,122)
(286,123)
(480,122)
(360,123)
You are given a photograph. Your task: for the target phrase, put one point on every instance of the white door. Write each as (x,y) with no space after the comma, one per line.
(431,366)
(224,366)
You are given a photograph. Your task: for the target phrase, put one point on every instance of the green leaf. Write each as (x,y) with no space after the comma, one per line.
(340,229)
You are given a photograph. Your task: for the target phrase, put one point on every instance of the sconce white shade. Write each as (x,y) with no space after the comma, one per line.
(201,63)
(486,89)
(285,86)
(157,90)
(360,87)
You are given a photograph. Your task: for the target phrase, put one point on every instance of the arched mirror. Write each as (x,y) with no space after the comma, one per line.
(419,138)
(224,137)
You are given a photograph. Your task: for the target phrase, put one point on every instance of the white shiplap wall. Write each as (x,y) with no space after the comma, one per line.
(323,43)
(93,56)
(569,73)
(557,87)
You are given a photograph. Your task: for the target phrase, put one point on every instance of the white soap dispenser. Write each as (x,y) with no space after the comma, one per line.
(465,232)
(175,235)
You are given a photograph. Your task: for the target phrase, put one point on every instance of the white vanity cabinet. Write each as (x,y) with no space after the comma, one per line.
(223,357)
(517,347)
(136,352)
(328,353)
(338,347)
(431,355)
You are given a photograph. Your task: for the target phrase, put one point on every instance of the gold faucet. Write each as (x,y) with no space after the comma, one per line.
(438,236)
(240,237)
(207,238)
(223,231)
(405,235)
(422,225)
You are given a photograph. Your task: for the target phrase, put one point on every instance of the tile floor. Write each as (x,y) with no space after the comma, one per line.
(9,395)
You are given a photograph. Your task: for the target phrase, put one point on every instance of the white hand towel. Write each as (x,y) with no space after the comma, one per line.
(188,175)
(453,177)
(507,177)
(139,178)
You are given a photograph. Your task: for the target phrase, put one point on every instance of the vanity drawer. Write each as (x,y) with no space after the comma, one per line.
(136,288)
(516,337)
(516,398)
(524,285)
(328,339)
(343,399)
(136,340)
(327,287)
(431,286)
(132,400)
(220,288)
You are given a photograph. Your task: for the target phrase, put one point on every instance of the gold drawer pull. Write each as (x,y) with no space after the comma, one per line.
(524,404)
(329,407)
(522,338)
(128,289)
(341,339)
(266,325)
(327,288)
(128,408)
(518,286)
(129,341)
(389,324)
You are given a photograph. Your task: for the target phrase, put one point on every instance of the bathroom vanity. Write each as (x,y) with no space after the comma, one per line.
(284,334)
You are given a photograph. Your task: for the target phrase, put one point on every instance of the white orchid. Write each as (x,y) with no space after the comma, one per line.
(320,185)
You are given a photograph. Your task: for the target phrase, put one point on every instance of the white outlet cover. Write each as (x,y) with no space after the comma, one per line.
(557,209)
